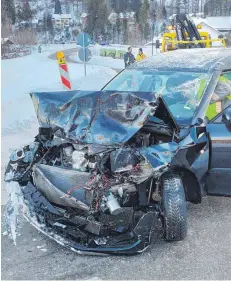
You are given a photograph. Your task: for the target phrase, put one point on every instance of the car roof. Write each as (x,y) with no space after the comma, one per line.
(198,59)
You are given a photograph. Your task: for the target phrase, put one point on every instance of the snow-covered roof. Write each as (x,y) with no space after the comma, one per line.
(62,16)
(127,15)
(6,40)
(219,23)
(199,59)
(191,15)
(204,23)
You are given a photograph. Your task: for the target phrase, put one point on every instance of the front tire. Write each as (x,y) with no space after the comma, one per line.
(174,208)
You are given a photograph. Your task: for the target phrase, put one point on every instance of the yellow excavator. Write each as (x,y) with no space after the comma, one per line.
(184,34)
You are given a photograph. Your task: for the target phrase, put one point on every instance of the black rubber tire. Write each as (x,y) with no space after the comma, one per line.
(174,208)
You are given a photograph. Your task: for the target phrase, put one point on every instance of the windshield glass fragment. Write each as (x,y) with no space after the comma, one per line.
(181,91)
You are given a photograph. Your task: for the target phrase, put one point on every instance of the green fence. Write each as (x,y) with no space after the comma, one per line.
(113,53)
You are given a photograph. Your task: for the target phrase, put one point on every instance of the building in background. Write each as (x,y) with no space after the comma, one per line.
(214,25)
(60,21)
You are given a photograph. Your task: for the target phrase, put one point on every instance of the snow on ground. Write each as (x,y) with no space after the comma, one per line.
(36,72)
(102,61)
(146,49)
(107,61)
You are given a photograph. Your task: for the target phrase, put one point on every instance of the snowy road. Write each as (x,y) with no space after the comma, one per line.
(71,56)
(205,254)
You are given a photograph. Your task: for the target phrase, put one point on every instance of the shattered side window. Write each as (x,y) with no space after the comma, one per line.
(227,75)
(222,90)
(218,119)
(182,94)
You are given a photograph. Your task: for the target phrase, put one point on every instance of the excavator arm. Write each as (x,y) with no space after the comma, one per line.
(185,25)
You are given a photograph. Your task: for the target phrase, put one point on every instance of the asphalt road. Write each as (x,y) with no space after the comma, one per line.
(205,254)
(68,53)
(74,51)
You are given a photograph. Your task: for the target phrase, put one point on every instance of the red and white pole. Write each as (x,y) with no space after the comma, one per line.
(63,69)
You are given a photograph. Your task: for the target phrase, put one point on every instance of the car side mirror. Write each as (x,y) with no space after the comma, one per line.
(226,117)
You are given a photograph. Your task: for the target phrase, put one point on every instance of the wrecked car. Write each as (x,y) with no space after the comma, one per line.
(107,165)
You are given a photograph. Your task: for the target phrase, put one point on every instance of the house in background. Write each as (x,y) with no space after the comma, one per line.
(6,45)
(211,24)
(215,26)
(214,33)
(222,24)
(61,21)
(6,42)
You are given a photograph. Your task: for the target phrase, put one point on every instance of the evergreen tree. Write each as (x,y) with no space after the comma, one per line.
(97,19)
(143,16)
(8,11)
(26,13)
(48,27)
(147,32)
(218,8)
(121,5)
(164,13)
(67,33)
(118,30)
(58,9)
(125,31)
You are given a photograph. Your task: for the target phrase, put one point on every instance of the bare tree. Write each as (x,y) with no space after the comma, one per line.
(25,37)
(6,30)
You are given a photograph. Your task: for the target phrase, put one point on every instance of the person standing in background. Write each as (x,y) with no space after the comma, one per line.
(129,57)
(140,56)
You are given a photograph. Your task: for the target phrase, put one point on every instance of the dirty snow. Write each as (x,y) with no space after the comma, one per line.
(14,207)
(42,248)
(102,61)
(36,72)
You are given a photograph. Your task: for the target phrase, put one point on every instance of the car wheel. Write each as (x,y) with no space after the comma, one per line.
(174,209)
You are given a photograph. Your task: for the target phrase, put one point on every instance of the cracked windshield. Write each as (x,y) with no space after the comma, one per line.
(181,91)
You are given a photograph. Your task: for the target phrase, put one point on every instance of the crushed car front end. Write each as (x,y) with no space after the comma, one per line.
(93,178)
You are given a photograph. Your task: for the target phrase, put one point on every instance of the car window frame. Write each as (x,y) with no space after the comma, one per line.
(213,121)
(218,115)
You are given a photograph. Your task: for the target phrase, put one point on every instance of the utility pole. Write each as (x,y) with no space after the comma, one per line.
(153,30)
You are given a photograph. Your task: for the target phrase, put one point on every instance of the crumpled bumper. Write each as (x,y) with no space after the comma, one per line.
(141,234)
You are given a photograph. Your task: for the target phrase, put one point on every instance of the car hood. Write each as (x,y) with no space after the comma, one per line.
(100,117)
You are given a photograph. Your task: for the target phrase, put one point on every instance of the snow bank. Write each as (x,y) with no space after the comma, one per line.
(36,72)
(102,61)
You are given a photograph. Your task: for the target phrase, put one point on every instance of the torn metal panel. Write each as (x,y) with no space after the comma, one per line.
(161,154)
(94,117)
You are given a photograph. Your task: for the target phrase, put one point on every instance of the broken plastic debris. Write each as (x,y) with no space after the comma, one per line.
(14,205)
(101,241)
(9,176)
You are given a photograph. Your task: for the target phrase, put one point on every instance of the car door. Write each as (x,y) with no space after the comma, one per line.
(219,175)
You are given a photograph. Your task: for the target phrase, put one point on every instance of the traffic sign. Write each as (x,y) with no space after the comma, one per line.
(84,54)
(83,39)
